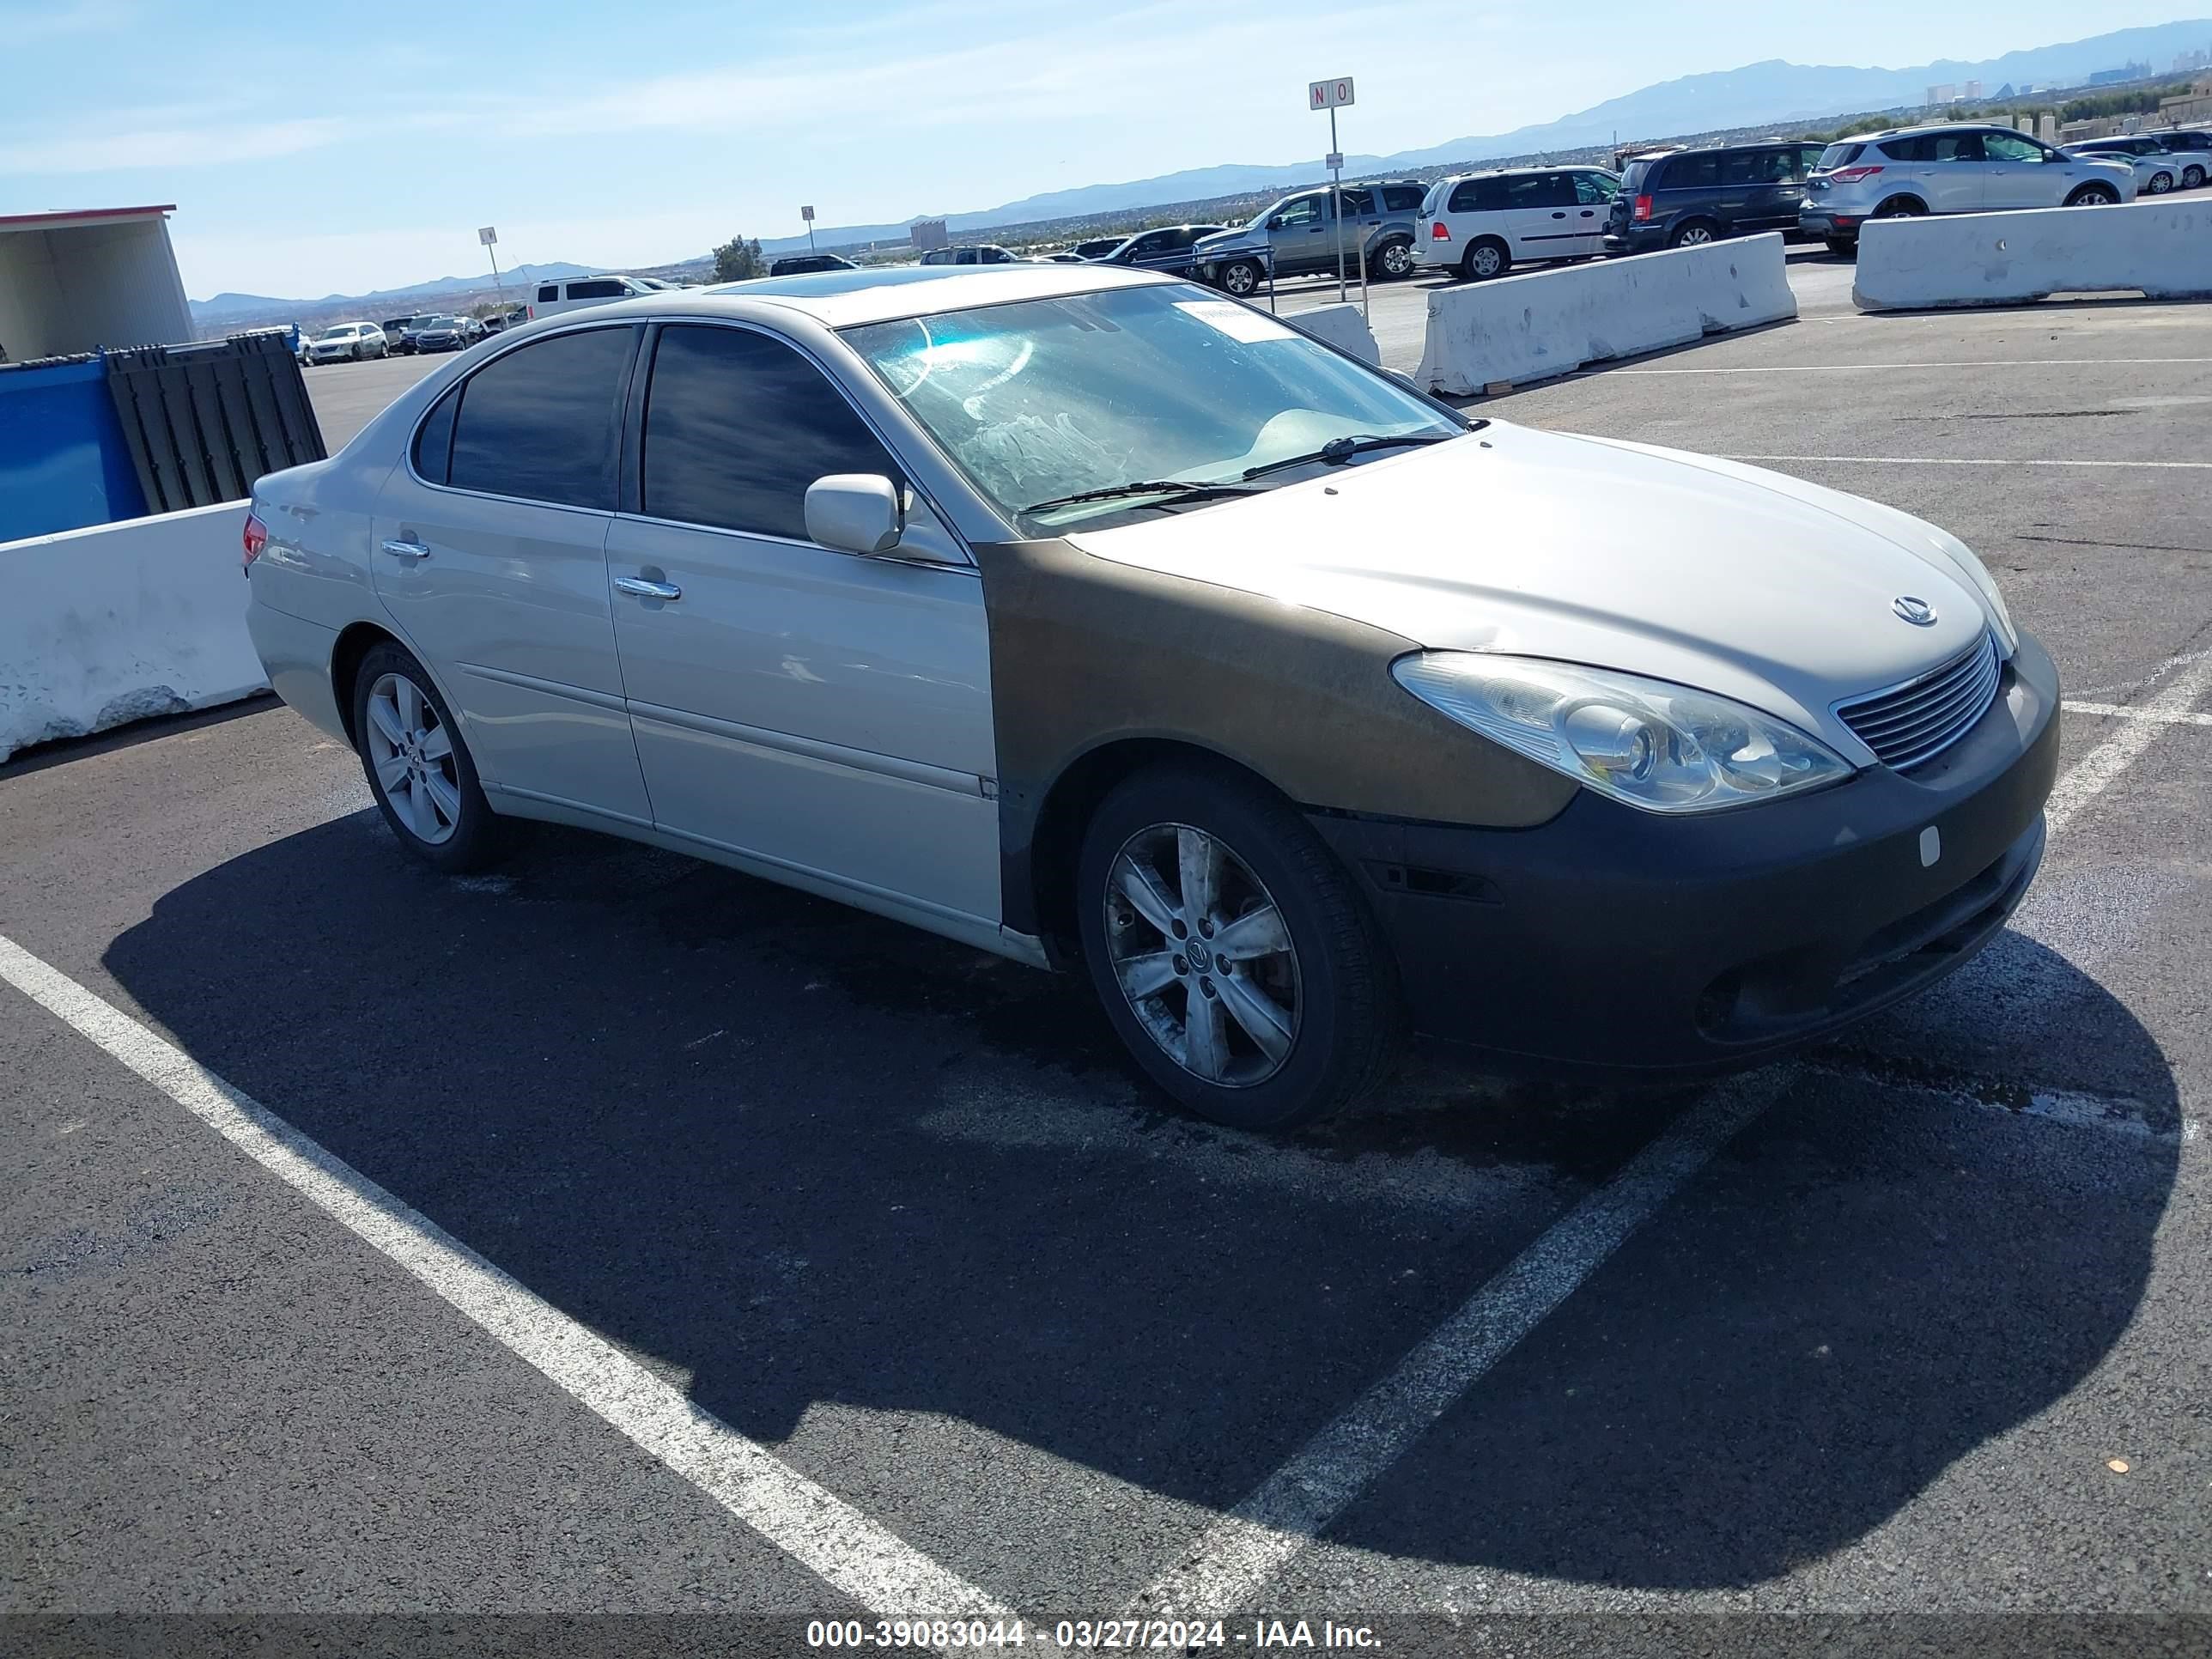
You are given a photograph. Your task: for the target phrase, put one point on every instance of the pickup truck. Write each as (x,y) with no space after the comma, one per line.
(1297,236)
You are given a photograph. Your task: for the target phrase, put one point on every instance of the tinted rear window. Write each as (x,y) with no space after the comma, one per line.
(737,426)
(1689,172)
(543,422)
(1401,199)
(1478,196)
(434,439)
(1839,155)
(1633,180)
(598,289)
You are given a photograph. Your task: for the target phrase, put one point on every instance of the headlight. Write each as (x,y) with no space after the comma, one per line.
(1664,748)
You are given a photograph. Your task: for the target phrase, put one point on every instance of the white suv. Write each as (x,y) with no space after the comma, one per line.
(1948,169)
(579,291)
(1479,224)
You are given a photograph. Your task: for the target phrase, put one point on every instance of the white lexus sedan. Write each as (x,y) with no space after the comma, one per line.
(347,342)
(1088,617)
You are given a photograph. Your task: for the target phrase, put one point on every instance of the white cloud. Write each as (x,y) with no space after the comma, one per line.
(216,143)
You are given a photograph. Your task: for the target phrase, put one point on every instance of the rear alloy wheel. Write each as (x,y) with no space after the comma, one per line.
(1484,260)
(1904,208)
(2192,178)
(419,770)
(2160,183)
(2095,196)
(1394,260)
(1240,278)
(1696,233)
(1231,952)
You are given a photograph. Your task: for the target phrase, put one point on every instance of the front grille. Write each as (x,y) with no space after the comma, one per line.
(1914,722)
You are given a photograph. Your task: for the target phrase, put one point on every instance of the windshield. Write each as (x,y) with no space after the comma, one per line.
(1049,398)
(342,331)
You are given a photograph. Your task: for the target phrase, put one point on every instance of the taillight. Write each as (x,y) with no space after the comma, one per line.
(1439,232)
(1851,175)
(257,537)
(1643,207)
(533,310)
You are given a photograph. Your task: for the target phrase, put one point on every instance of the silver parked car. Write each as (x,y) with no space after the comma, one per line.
(1948,169)
(1085,616)
(1299,236)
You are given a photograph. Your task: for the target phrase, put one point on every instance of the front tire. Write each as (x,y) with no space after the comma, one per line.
(2192,178)
(419,767)
(1240,278)
(2160,183)
(2095,196)
(1231,952)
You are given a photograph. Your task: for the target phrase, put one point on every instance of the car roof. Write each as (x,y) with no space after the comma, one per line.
(1548,167)
(1926,127)
(843,298)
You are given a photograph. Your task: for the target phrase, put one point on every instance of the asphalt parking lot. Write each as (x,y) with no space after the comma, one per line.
(1903,1345)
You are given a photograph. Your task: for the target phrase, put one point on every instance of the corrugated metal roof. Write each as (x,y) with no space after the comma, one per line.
(68,217)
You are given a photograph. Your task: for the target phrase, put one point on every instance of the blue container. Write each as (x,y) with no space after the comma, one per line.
(64,461)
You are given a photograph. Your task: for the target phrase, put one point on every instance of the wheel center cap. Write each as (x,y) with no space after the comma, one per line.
(1200,957)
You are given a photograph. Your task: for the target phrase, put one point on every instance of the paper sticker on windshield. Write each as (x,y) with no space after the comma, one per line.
(1237,322)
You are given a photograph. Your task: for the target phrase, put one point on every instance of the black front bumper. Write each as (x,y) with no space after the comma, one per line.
(1630,944)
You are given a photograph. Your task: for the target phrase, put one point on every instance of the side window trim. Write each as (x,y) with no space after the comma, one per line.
(458,392)
(632,493)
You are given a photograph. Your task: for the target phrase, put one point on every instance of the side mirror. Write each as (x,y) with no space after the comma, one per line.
(1275,222)
(855,512)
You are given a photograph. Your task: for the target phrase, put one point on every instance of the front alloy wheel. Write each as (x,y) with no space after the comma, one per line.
(2095,195)
(1202,955)
(1233,954)
(1240,278)
(2160,183)
(1396,260)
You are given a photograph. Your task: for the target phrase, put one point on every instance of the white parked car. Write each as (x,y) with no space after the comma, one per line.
(347,342)
(1483,224)
(574,293)
(1948,169)
(2157,170)
(1088,617)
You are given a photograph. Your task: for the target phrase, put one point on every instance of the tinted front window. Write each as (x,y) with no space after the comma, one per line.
(1401,199)
(1593,189)
(738,425)
(1303,211)
(2010,147)
(543,422)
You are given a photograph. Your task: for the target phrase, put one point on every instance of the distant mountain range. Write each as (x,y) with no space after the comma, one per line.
(225,307)
(1773,91)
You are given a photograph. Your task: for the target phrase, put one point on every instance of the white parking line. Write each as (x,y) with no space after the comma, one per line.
(1860,368)
(2122,711)
(1233,1560)
(864,1560)
(2093,773)
(1234,1557)
(1947,461)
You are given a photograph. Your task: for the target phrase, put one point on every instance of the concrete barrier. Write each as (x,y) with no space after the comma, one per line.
(1549,323)
(121,621)
(1340,326)
(2159,248)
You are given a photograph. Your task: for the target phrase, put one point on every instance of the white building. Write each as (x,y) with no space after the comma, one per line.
(1942,94)
(91,276)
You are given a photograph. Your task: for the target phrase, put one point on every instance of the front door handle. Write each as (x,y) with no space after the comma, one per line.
(1561,214)
(638,587)
(407,549)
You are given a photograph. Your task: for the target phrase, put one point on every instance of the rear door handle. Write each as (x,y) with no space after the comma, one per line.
(407,550)
(638,587)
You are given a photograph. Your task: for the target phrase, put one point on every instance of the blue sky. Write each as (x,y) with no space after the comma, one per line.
(311,151)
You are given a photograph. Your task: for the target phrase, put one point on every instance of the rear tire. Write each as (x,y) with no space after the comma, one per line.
(2192,178)
(1901,207)
(1240,278)
(418,767)
(1485,257)
(1844,247)
(1693,232)
(1273,940)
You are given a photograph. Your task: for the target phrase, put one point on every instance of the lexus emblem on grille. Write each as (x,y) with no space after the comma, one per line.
(1918,612)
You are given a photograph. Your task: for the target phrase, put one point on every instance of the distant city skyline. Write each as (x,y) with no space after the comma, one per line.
(312,154)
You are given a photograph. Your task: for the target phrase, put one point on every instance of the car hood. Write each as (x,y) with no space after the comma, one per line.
(1243,236)
(1679,566)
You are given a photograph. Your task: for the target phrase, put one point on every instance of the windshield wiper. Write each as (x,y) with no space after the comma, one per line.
(1183,489)
(1337,450)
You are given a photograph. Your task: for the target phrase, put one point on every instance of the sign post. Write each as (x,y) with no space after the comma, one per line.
(1331,95)
(807,214)
(487,239)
